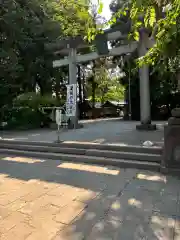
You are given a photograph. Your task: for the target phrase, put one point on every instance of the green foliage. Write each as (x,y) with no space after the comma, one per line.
(26,111)
(100,8)
(116,91)
(25,28)
(73,16)
(105,86)
(164,27)
(164,57)
(23,118)
(102,79)
(36,101)
(161,19)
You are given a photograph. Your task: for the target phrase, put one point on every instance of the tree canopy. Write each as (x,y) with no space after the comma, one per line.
(26,26)
(161,19)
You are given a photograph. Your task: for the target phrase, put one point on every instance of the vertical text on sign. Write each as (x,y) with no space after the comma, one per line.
(71,100)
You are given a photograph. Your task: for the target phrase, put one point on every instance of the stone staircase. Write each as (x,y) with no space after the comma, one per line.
(106,154)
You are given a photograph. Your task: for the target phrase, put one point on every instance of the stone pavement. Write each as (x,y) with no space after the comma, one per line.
(99,131)
(55,200)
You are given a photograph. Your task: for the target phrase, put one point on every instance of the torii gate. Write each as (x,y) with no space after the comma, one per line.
(69,49)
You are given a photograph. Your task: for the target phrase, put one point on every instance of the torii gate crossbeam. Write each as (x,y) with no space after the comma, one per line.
(125,49)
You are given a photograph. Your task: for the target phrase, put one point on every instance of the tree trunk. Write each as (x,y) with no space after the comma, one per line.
(178,80)
(93,86)
(45,88)
(93,93)
(57,89)
(83,88)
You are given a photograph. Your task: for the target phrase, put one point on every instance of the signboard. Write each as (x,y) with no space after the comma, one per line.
(71,100)
(58,117)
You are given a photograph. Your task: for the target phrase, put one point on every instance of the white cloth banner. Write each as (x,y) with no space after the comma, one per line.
(71,100)
(58,116)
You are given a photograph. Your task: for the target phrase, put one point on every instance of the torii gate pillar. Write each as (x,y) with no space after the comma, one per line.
(145,102)
(73,80)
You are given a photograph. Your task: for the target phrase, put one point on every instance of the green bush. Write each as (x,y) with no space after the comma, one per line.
(24,118)
(27,111)
(35,101)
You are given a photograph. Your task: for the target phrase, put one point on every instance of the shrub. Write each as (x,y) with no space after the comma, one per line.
(35,101)
(23,118)
(26,111)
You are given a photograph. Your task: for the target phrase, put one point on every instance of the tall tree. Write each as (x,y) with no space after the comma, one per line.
(25,27)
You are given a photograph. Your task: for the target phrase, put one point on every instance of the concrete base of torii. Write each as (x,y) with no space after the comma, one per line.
(146,127)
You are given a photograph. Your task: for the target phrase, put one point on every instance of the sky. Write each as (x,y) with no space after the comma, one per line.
(106,12)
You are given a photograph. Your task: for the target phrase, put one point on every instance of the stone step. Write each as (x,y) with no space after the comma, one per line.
(123,163)
(88,152)
(85,145)
(125,155)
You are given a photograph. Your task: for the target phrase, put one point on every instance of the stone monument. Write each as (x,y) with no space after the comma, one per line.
(171,153)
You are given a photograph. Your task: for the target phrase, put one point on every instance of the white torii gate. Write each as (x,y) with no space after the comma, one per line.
(144,43)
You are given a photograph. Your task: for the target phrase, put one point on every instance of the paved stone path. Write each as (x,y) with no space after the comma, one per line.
(54,200)
(99,131)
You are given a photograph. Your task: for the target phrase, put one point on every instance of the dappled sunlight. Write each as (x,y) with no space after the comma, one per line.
(76,201)
(15,139)
(116,205)
(90,216)
(135,202)
(19,138)
(96,142)
(118,144)
(151,178)
(162,220)
(89,168)
(35,181)
(22,159)
(9,139)
(102,225)
(162,226)
(104,230)
(101,140)
(79,142)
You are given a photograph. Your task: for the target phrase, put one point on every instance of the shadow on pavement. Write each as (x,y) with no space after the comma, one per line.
(120,204)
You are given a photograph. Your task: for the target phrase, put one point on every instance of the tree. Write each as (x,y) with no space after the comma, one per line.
(25,28)
(101,78)
(161,20)
(116,91)
(102,84)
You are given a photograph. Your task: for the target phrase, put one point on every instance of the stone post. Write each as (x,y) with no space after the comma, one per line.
(171,153)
